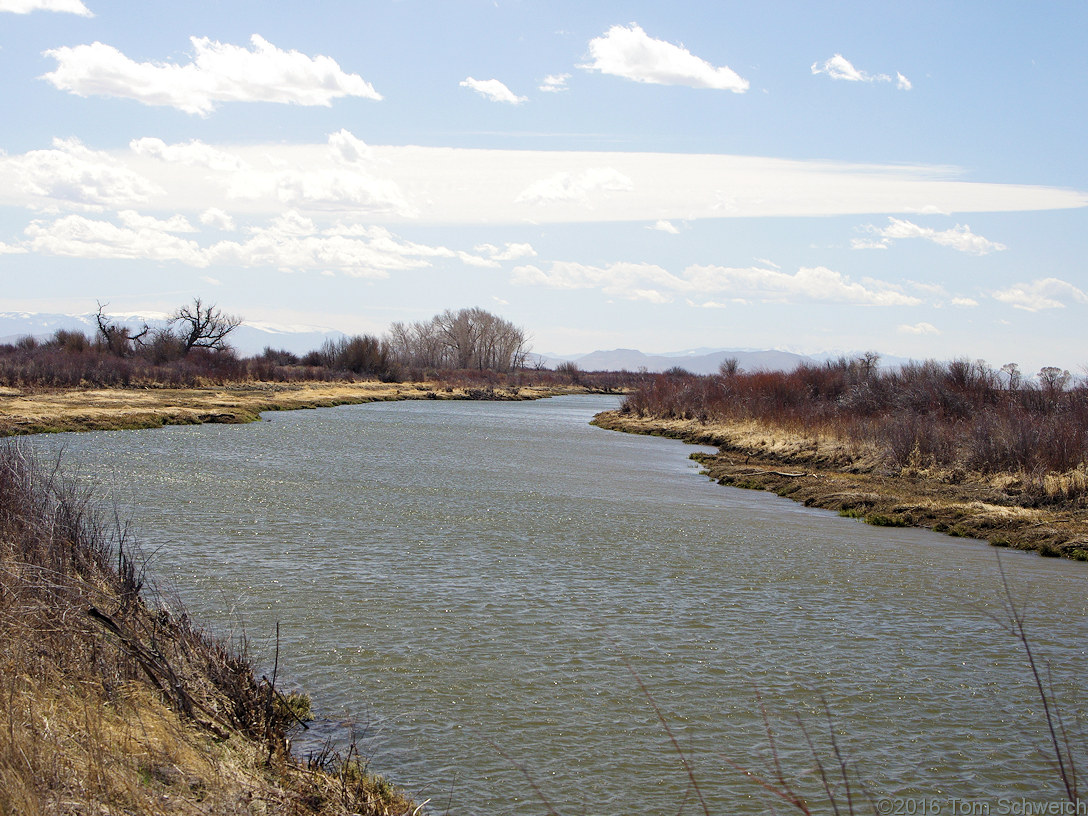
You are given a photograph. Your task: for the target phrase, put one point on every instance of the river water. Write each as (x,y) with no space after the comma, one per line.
(499,592)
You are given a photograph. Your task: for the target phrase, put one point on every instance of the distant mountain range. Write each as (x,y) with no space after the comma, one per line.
(699,362)
(252,338)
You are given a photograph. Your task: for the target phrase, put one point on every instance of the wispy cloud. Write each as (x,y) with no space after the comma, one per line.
(629,52)
(219,72)
(494,90)
(959,237)
(27,6)
(918,328)
(554,83)
(664,226)
(839,67)
(1047,293)
(630,281)
(635,281)
(462,186)
(510,252)
(807,284)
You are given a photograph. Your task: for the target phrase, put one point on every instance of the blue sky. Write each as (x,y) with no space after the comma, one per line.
(908,178)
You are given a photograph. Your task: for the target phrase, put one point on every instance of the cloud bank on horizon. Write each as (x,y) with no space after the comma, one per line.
(422,194)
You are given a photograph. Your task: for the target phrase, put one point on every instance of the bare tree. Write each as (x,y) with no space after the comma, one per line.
(203,326)
(1053,380)
(118,340)
(1012,371)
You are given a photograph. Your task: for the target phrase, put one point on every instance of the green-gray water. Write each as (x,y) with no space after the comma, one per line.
(469,579)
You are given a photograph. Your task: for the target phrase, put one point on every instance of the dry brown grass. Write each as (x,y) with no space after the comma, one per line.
(45,411)
(853,479)
(112,704)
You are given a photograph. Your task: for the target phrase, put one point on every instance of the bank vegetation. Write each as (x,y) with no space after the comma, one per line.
(466,349)
(959,446)
(116,702)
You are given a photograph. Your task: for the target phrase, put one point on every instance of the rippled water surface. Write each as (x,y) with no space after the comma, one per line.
(484,586)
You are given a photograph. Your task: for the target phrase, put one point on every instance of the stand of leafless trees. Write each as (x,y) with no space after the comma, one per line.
(466,339)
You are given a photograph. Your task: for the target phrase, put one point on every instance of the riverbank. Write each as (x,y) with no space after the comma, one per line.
(116,702)
(30,411)
(824,473)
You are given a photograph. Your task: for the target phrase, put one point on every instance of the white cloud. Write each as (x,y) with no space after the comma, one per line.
(839,67)
(344,175)
(348,148)
(651,282)
(494,90)
(867,243)
(8,249)
(27,6)
(77,236)
(511,252)
(554,83)
(208,279)
(1047,293)
(631,281)
(219,72)
(133,220)
(665,226)
(217,218)
(918,328)
(443,185)
(807,284)
(578,188)
(294,242)
(73,174)
(193,153)
(291,241)
(959,237)
(964,301)
(631,53)
(928,209)
(330,189)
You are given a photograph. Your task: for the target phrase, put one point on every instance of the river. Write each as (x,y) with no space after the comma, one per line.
(498,592)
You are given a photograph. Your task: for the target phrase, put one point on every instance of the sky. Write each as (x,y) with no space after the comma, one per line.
(907,178)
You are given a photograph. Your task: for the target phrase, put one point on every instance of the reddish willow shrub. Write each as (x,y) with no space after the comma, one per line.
(950,414)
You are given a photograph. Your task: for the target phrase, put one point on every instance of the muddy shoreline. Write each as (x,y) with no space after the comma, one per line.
(819,473)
